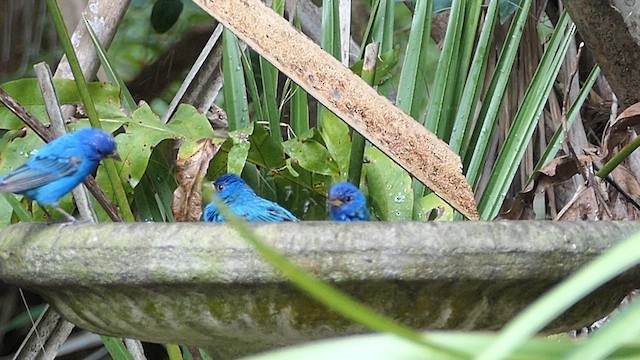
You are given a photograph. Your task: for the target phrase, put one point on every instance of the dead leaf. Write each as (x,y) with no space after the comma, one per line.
(559,170)
(617,132)
(583,206)
(627,182)
(187,198)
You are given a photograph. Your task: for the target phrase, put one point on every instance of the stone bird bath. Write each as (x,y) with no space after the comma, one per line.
(203,285)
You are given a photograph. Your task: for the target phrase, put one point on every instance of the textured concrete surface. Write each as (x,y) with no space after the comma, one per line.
(203,285)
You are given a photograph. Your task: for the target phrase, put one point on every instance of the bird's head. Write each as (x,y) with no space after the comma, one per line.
(346,202)
(230,185)
(100,143)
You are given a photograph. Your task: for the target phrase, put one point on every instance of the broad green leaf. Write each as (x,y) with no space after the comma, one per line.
(157,185)
(312,156)
(27,93)
(142,134)
(335,134)
(240,149)
(192,126)
(389,187)
(264,151)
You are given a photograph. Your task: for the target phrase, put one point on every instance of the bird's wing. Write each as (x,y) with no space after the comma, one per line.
(38,171)
(268,211)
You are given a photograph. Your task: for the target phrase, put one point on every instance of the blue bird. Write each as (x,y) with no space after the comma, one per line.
(59,166)
(244,203)
(347,203)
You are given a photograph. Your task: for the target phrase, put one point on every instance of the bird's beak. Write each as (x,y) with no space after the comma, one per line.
(335,202)
(115,156)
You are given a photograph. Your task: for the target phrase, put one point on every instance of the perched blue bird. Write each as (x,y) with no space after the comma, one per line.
(60,166)
(244,203)
(347,203)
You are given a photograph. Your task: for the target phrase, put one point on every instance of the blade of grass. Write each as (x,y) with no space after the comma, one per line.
(252,84)
(358,141)
(463,53)
(482,132)
(525,120)
(114,78)
(618,158)
(234,89)
(270,87)
(23,215)
(618,331)
(558,137)
(329,39)
(92,114)
(299,112)
(414,57)
(437,115)
(473,85)
(116,348)
(616,260)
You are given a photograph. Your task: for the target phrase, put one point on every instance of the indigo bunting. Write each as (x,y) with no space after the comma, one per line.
(244,203)
(59,166)
(347,203)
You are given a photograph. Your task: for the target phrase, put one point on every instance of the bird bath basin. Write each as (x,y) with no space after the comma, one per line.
(203,285)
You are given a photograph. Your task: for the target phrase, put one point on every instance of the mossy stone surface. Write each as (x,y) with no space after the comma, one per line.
(203,285)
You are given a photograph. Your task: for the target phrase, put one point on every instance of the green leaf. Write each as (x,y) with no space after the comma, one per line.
(192,126)
(234,89)
(335,134)
(526,120)
(415,58)
(157,185)
(27,93)
(116,348)
(488,117)
(240,149)
(311,155)
(142,134)
(165,14)
(428,205)
(264,151)
(389,187)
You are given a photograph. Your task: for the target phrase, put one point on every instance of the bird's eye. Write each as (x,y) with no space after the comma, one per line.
(348,199)
(219,187)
